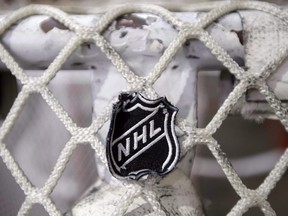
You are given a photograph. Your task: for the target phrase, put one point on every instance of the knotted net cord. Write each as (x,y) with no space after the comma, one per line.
(194,136)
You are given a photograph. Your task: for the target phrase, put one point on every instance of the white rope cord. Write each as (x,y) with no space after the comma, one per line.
(248,79)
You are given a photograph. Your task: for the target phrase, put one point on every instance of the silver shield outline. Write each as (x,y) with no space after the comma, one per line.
(144,104)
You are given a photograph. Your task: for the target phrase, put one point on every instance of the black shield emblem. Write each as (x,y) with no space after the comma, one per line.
(142,138)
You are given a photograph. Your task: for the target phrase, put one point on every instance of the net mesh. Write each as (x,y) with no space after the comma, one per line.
(194,136)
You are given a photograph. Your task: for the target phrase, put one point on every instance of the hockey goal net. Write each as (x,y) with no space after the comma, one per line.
(246,79)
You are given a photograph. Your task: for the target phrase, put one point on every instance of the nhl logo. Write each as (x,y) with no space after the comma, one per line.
(142,139)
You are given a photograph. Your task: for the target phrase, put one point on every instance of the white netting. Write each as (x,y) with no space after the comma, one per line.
(247,79)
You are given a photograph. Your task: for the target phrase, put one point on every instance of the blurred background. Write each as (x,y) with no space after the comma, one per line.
(253,148)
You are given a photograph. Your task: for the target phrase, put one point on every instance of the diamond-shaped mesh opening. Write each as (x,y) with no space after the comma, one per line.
(36,139)
(23,49)
(80,173)
(140,39)
(178,84)
(82,86)
(214,82)
(207,100)
(8,93)
(38,210)
(213,88)
(278,195)
(83,91)
(217,194)
(107,84)
(254,211)
(11,195)
(73,89)
(86,56)
(252,155)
